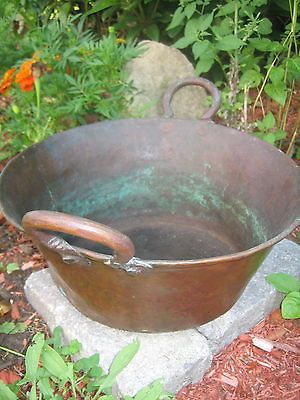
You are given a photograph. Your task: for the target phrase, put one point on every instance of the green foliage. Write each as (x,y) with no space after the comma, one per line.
(290,286)
(267,129)
(236,43)
(50,374)
(137,18)
(12,328)
(82,80)
(9,268)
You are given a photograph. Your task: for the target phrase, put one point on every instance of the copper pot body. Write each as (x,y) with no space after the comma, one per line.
(162,221)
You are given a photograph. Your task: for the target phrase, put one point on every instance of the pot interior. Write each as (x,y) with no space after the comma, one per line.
(179,189)
(167,216)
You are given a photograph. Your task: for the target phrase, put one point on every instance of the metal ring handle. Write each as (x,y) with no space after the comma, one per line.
(205,83)
(81,227)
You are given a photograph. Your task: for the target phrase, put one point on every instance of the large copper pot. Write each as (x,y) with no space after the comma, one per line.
(186,212)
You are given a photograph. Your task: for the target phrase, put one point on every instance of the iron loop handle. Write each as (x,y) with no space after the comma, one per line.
(84,228)
(205,83)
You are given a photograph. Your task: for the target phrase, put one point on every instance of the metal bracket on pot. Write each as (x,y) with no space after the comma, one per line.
(133,266)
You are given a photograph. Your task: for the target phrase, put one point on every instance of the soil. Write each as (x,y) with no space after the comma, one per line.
(240,371)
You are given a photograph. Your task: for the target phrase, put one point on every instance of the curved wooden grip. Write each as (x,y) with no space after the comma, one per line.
(84,228)
(205,83)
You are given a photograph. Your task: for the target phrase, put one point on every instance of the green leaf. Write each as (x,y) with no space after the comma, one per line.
(72,348)
(204,22)
(277,92)
(264,44)
(11,267)
(6,393)
(6,327)
(152,32)
(151,392)
(290,307)
(183,42)
(12,328)
(190,9)
(121,360)
(96,372)
(32,358)
(267,123)
(200,48)
(293,66)
(85,364)
(177,19)
(298,154)
(101,5)
(250,78)
(32,394)
(229,42)
(55,340)
(264,26)
(284,283)
(276,75)
(63,12)
(204,65)
(197,25)
(45,387)
(267,137)
(54,363)
(280,134)
(228,8)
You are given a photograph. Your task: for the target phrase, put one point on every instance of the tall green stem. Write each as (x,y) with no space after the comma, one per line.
(12,351)
(37,86)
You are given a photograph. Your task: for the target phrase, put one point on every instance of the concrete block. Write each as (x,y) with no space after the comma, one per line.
(178,357)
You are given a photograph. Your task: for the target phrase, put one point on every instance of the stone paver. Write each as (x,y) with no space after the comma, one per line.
(177,357)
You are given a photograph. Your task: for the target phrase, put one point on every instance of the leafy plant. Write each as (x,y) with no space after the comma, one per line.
(70,79)
(290,286)
(236,43)
(10,328)
(267,129)
(50,374)
(135,18)
(9,268)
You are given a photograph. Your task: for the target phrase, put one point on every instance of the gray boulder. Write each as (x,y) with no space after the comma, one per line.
(153,72)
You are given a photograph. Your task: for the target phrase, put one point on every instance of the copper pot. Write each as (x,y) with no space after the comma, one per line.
(186,212)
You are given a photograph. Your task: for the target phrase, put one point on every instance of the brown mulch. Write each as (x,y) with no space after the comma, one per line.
(245,371)
(16,248)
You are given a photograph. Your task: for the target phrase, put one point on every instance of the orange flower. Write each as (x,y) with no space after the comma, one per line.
(25,77)
(7,80)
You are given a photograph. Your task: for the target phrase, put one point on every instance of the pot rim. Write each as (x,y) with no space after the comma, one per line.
(167,263)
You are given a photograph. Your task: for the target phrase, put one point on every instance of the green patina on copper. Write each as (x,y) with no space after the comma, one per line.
(147,189)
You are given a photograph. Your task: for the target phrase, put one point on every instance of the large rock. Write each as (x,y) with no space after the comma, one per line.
(153,72)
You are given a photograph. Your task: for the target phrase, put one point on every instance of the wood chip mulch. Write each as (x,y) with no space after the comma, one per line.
(243,370)
(16,248)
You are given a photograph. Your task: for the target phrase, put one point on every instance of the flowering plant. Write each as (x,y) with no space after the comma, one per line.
(70,78)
